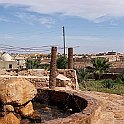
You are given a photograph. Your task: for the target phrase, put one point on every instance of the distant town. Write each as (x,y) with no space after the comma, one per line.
(18,61)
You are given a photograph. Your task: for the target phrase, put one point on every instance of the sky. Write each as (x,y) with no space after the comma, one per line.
(91,26)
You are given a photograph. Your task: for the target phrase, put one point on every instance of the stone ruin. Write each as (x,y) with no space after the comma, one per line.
(15,100)
(18,97)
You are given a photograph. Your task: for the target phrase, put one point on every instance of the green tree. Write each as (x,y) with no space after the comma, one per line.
(45,66)
(35,64)
(62,62)
(31,64)
(100,66)
(82,76)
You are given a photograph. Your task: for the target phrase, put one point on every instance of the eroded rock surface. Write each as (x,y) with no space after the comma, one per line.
(9,119)
(9,108)
(112,107)
(15,96)
(16,91)
(27,110)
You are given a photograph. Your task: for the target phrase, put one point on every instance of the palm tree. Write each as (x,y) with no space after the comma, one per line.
(83,74)
(100,66)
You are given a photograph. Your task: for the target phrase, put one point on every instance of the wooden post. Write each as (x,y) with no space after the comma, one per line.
(70,58)
(52,78)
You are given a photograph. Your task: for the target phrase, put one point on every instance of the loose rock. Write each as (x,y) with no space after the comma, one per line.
(17,91)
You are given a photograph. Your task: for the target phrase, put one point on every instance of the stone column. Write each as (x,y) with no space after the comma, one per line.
(70,58)
(52,78)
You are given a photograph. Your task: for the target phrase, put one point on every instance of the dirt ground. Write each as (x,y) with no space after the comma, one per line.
(112,107)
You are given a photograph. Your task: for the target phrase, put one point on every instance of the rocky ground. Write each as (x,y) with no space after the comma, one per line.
(112,107)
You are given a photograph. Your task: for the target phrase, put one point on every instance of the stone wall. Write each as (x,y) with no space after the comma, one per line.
(34,72)
(40,77)
(86,110)
(39,82)
(70,73)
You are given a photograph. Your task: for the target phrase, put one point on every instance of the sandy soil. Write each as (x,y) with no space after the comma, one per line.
(112,107)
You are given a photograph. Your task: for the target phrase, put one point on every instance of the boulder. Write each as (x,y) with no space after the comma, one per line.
(9,119)
(9,108)
(62,81)
(25,111)
(16,91)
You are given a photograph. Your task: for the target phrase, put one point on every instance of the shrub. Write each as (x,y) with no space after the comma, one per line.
(62,62)
(108,83)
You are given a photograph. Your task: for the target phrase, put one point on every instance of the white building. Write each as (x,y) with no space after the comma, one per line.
(7,62)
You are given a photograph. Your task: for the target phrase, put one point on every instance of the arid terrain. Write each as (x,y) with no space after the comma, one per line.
(112,107)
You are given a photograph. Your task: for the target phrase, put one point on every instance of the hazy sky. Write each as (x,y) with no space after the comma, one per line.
(94,25)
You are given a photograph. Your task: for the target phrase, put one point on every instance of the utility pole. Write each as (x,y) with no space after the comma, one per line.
(63,31)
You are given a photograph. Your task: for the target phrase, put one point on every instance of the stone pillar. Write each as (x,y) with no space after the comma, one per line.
(70,58)
(52,78)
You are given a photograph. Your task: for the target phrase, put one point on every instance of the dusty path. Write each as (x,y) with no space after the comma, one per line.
(112,107)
